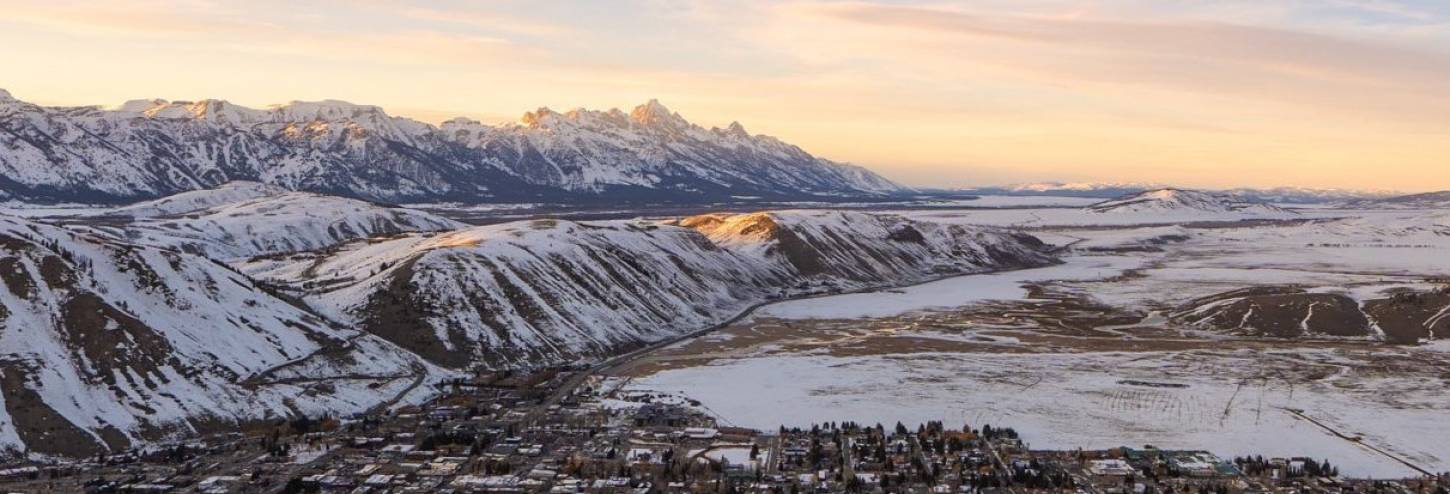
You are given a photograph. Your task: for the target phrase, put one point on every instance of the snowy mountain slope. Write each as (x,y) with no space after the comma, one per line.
(152,148)
(1181,202)
(540,292)
(1277,312)
(864,247)
(105,344)
(249,219)
(197,200)
(543,292)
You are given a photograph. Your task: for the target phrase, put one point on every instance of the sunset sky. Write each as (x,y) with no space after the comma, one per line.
(1320,93)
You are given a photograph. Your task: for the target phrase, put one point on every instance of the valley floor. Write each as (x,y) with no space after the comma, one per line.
(1086,355)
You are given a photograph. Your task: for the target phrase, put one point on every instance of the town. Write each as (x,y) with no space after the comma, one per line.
(568,430)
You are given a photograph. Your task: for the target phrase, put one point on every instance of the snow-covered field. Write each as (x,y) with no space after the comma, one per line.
(950,292)
(1079,400)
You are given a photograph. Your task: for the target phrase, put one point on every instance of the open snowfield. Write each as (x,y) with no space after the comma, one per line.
(1065,401)
(952,350)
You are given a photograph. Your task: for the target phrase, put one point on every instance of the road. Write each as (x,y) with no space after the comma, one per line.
(1356,440)
(1001,466)
(420,376)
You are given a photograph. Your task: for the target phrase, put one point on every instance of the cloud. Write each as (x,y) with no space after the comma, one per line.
(486,21)
(1314,72)
(201,25)
(1386,7)
(1182,40)
(147,19)
(404,48)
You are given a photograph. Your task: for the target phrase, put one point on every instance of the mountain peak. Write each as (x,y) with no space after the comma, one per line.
(326,103)
(328,109)
(1170,193)
(654,113)
(538,117)
(220,110)
(461,122)
(5,96)
(736,129)
(141,105)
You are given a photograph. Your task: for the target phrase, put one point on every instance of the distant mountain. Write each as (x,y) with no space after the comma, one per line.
(1303,195)
(1182,201)
(152,148)
(1082,189)
(1281,195)
(1428,200)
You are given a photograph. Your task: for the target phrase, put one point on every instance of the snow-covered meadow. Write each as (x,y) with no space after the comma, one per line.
(1218,402)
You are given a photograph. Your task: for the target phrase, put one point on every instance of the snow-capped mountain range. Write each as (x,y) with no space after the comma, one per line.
(152,148)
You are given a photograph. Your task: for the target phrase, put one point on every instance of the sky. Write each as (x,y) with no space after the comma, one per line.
(1348,94)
